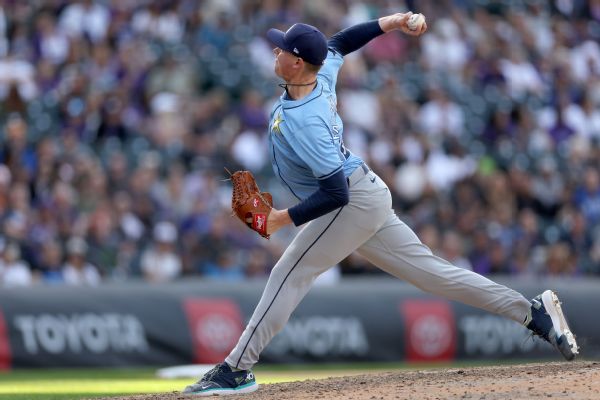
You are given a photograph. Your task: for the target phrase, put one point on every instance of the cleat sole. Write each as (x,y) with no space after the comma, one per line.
(248,388)
(566,342)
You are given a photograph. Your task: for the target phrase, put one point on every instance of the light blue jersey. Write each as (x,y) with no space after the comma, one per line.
(306,136)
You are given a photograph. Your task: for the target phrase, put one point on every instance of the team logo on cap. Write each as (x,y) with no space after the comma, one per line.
(296,50)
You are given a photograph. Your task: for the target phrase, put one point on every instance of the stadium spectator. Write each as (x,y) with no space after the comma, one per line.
(440,117)
(50,263)
(85,18)
(160,262)
(452,250)
(76,270)
(14,271)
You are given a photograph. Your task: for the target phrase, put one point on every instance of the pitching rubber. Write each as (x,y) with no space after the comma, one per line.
(554,310)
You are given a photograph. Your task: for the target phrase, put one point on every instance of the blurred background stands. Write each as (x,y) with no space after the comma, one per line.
(117,118)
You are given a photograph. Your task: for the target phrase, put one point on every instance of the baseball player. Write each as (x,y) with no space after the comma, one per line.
(345,207)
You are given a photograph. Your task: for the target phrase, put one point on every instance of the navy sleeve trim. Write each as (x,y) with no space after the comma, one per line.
(355,37)
(332,193)
(335,171)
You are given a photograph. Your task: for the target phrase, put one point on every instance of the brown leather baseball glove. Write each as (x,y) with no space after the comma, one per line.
(250,205)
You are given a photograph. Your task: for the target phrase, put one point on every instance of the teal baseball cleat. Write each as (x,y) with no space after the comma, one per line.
(223,381)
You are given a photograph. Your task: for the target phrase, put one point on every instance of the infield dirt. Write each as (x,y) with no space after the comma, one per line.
(575,380)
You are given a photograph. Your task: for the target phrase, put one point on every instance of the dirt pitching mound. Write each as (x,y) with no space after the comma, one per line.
(576,380)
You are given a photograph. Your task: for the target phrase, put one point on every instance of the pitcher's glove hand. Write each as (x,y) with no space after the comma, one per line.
(250,205)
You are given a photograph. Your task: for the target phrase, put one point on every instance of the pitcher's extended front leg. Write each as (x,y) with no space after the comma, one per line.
(396,249)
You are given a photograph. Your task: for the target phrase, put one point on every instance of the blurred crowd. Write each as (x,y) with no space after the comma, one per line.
(117,118)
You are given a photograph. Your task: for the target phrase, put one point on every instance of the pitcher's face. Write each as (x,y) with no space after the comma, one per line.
(286,64)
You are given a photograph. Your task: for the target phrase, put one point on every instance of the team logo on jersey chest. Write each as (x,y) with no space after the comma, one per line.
(275,127)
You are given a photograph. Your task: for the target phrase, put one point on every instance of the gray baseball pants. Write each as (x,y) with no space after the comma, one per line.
(368,225)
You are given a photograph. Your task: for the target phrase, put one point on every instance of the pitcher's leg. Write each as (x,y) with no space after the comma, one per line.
(280,297)
(315,249)
(396,249)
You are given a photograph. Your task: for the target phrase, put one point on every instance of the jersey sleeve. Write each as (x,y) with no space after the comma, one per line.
(317,148)
(330,69)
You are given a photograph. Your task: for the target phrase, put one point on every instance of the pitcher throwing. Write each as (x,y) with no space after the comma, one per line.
(346,207)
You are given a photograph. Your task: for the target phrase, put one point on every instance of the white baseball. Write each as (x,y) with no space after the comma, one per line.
(415,21)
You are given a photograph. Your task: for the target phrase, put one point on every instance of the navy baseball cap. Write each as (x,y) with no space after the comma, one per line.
(302,40)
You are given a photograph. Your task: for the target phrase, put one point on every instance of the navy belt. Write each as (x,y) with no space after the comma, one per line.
(358,174)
